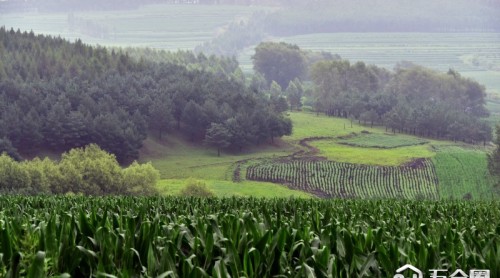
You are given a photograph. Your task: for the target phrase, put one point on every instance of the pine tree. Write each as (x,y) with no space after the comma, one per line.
(218,136)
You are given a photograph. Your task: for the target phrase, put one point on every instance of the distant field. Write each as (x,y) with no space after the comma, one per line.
(168,27)
(436,50)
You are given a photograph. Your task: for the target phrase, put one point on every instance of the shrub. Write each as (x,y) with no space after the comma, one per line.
(89,171)
(13,177)
(196,188)
(140,179)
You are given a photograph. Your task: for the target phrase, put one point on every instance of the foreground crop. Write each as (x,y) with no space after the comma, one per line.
(240,237)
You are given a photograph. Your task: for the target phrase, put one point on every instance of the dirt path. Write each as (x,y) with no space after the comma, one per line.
(308,153)
(310,150)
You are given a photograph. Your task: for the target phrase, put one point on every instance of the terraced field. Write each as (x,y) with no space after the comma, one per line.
(346,180)
(436,50)
(165,26)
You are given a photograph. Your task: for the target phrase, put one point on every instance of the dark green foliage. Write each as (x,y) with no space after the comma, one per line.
(59,95)
(218,136)
(414,100)
(280,62)
(236,237)
(7,147)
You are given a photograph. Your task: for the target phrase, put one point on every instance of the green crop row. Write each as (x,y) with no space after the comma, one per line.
(238,237)
(463,173)
(346,180)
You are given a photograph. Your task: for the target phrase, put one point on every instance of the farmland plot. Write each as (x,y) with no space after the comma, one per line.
(346,180)
(169,27)
(383,141)
(463,173)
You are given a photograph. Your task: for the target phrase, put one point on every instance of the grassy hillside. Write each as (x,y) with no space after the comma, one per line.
(178,160)
(450,170)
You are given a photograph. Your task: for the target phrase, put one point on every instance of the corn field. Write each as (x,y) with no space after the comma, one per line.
(346,180)
(237,237)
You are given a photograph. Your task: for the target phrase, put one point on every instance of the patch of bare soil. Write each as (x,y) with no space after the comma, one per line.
(416,163)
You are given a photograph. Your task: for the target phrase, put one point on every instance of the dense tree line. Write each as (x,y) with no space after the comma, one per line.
(60,95)
(89,171)
(412,99)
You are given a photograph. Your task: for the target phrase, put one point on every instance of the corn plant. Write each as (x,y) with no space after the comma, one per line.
(242,237)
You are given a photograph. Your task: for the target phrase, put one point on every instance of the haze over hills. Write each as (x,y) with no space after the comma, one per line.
(223,29)
(320,16)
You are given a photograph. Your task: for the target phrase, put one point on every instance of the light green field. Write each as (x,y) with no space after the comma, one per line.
(307,125)
(346,180)
(222,188)
(371,156)
(178,160)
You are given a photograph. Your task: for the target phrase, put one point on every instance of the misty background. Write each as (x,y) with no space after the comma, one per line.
(463,35)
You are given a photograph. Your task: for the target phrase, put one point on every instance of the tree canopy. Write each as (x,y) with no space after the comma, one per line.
(88,171)
(413,99)
(280,62)
(60,95)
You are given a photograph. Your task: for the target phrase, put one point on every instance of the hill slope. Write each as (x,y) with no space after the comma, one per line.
(317,140)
